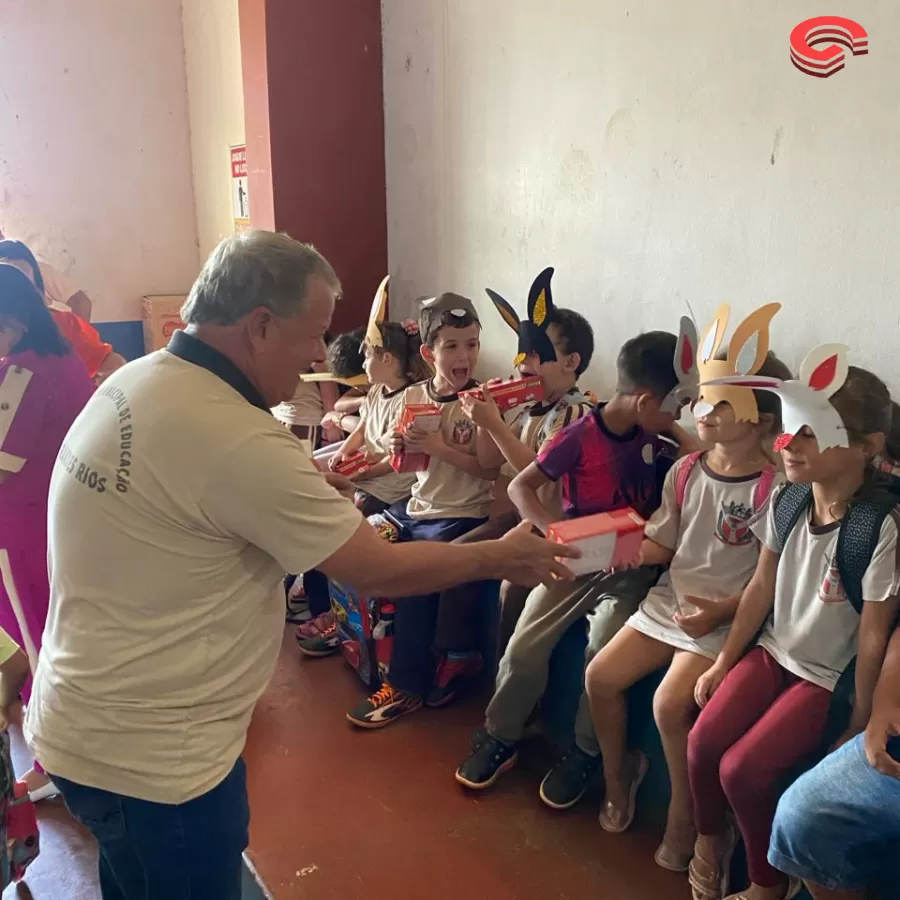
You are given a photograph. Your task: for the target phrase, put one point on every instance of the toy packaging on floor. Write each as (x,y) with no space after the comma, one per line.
(366,625)
(366,632)
(426,417)
(606,540)
(510,394)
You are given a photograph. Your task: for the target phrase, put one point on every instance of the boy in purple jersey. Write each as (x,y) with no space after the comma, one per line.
(606,461)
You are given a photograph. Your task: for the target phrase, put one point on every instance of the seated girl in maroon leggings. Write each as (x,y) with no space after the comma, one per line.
(765,713)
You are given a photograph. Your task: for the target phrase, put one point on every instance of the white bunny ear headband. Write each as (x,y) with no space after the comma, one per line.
(700,373)
(806,401)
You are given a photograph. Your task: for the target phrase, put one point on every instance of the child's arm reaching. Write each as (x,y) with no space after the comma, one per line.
(350,446)
(382,467)
(884,725)
(755,605)
(523,493)
(875,628)
(349,404)
(498,441)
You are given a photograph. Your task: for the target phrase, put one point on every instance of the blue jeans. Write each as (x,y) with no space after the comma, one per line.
(838,825)
(415,618)
(156,851)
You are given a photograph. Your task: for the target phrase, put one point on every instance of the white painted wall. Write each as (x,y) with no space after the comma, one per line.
(656,153)
(95,169)
(216,100)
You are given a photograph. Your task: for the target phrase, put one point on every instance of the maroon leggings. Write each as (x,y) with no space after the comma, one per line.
(760,725)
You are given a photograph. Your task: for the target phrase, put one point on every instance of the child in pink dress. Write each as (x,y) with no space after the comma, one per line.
(43,387)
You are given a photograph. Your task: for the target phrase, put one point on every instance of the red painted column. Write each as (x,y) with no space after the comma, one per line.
(314,117)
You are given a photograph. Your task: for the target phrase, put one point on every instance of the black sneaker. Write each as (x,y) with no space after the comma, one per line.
(487,764)
(567,782)
(478,738)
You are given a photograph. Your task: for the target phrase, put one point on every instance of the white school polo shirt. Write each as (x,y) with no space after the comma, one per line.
(176,506)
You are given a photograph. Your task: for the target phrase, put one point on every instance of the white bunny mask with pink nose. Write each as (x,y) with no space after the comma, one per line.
(806,401)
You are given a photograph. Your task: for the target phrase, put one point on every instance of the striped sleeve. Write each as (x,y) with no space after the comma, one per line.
(564,416)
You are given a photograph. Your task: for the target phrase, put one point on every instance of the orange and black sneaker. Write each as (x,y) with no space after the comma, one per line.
(384,707)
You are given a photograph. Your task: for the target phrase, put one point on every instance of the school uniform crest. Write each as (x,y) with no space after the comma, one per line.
(831,589)
(463,431)
(732,524)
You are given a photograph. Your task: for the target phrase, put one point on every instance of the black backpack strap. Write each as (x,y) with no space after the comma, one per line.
(791,503)
(857,540)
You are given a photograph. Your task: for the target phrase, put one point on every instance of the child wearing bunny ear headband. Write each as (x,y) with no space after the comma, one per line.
(702,532)
(827,583)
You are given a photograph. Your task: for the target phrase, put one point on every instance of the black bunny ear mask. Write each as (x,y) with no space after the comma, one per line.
(533,336)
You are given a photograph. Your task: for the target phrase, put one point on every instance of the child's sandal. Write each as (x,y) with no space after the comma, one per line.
(709,880)
(671,860)
(611,819)
(794,886)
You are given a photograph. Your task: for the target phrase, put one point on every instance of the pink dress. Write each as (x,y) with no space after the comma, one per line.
(40,397)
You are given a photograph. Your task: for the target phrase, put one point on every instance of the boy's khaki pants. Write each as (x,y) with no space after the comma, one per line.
(548,613)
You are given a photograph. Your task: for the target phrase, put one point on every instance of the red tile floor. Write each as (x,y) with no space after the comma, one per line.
(344,815)
(340,814)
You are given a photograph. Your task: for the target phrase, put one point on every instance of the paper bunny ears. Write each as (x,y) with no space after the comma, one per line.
(377,314)
(533,337)
(806,401)
(705,381)
(700,373)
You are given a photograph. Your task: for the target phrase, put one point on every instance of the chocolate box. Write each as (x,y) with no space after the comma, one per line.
(425,416)
(510,394)
(606,540)
(353,465)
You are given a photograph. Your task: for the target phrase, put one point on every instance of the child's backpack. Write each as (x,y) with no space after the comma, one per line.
(365,625)
(859,533)
(686,465)
(19,842)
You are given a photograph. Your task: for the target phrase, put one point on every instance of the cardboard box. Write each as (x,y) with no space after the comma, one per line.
(510,394)
(606,540)
(426,417)
(353,465)
(161,315)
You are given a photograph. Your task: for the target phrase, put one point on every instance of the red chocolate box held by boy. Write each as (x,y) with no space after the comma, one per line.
(510,394)
(426,417)
(353,465)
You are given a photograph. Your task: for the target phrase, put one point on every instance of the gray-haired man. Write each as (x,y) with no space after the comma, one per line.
(176,505)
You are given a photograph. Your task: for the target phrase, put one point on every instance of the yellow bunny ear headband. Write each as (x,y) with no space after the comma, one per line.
(377,315)
(747,351)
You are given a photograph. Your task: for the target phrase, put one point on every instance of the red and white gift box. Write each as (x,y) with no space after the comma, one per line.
(606,540)
(425,417)
(510,394)
(353,465)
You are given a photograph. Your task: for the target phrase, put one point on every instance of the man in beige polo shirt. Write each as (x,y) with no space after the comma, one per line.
(176,506)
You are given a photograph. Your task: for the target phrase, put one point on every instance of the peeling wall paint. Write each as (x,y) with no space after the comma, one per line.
(656,153)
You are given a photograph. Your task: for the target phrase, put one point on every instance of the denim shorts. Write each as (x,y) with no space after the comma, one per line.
(838,825)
